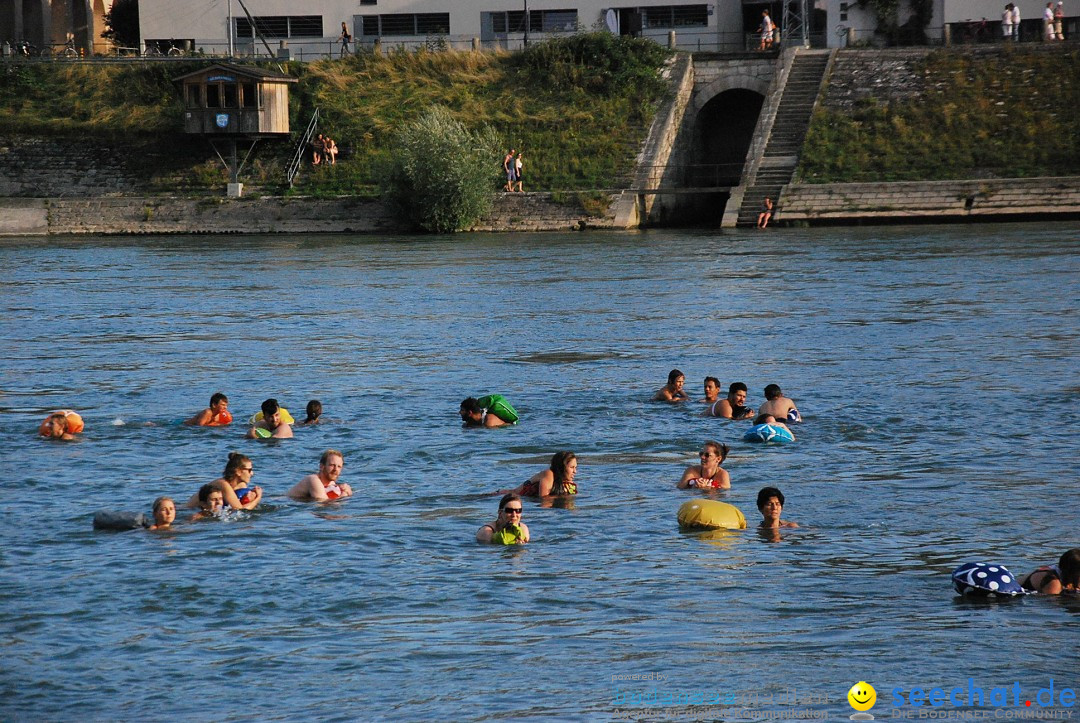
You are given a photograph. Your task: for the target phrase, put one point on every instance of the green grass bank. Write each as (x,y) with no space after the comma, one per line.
(578,107)
(1001,112)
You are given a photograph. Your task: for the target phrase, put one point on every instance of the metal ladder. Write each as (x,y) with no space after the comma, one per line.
(297,160)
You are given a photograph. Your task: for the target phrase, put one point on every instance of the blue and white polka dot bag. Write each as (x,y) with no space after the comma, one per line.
(980,579)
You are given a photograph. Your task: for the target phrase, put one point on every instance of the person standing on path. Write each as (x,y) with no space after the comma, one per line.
(1016,23)
(517,172)
(1059,20)
(508,167)
(1006,23)
(345,39)
(1048,22)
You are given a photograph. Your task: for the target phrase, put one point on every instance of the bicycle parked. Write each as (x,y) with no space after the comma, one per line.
(159,49)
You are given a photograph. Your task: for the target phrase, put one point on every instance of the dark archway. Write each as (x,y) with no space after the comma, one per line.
(722,133)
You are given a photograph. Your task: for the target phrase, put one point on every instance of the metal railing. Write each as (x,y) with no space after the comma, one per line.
(297,159)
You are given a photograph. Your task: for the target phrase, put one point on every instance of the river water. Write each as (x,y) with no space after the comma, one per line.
(936,369)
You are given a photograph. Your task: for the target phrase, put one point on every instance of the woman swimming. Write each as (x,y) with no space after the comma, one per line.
(1059,578)
(673,390)
(314,411)
(164,513)
(555,481)
(770,502)
(507,529)
(234,485)
(709,474)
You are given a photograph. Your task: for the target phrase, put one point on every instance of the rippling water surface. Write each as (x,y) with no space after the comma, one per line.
(936,368)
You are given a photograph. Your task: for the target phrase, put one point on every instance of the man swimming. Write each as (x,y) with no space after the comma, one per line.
(732,407)
(270,426)
(712,390)
(216,415)
(778,405)
(323,485)
(473,414)
(673,390)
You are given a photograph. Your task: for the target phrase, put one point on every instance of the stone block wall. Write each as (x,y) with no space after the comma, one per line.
(928,199)
(47,167)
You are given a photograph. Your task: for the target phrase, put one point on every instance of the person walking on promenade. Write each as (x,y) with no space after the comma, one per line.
(517,172)
(1048,22)
(1006,23)
(345,39)
(1016,22)
(508,168)
(1059,20)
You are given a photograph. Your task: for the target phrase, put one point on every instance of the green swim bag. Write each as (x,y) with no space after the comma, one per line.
(496,404)
(509,535)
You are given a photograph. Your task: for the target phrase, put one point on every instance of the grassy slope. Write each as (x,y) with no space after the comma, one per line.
(578,108)
(1007,115)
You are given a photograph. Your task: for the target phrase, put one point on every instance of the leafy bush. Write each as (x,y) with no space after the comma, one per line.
(442,175)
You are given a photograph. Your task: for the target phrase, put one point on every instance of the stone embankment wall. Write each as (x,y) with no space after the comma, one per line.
(99,215)
(929,199)
(52,168)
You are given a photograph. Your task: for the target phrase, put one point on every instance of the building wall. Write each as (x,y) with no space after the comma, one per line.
(168,19)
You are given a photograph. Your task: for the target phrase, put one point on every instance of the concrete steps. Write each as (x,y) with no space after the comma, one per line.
(781,153)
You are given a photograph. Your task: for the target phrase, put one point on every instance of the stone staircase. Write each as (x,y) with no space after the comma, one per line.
(788,132)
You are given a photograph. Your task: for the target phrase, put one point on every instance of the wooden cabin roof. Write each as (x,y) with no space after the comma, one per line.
(241,71)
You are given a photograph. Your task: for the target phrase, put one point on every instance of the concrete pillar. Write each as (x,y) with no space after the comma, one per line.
(476,45)
(947,37)
(671,39)
(377,46)
(850,37)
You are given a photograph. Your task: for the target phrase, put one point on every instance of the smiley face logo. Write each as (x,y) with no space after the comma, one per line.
(862,696)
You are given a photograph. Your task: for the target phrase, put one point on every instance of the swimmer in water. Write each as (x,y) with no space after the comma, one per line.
(210,502)
(474,415)
(235,485)
(61,425)
(323,485)
(778,405)
(271,422)
(216,415)
(673,390)
(507,529)
(770,502)
(555,481)
(164,513)
(712,390)
(709,474)
(1057,579)
(314,411)
(731,407)
(772,422)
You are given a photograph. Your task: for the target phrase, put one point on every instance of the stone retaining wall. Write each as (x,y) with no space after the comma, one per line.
(928,199)
(40,216)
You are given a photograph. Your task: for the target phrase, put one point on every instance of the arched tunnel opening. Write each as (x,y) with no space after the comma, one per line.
(723,130)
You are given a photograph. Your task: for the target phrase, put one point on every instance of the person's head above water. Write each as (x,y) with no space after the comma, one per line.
(715,448)
(674,377)
(766,494)
(314,411)
(210,498)
(217,398)
(164,512)
(736,393)
(772,391)
(564,467)
(712,389)
(238,466)
(471,412)
(1069,564)
(271,413)
(764,419)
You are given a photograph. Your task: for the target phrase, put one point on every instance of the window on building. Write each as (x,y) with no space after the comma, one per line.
(232,100)
(843,11)
(194,96)
(213,96)
(540,21)
(249,95)
(279,27)
(675,16)
(405,24)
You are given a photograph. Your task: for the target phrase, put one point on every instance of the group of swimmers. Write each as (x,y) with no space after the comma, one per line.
(234,490)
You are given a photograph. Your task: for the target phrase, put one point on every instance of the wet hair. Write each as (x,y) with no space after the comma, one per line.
(721,449)
(773,391)
(508,497)
(471,406)
(205,491)
(763,418)
(673,375)
(330,453)
(558,468)
(269,408)
(714,380)
(159,502)
(218,397)
(233,465)
(768,492)
(314,409)
(1069,564)
(736,387)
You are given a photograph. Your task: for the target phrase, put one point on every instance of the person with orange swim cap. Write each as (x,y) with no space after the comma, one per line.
(216,415)
(64,424)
